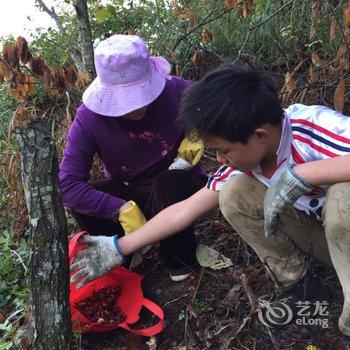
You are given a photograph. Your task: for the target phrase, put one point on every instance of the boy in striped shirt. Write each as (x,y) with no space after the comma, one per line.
(285,181)
(283,185)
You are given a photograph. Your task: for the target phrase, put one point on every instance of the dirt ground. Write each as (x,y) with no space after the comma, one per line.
(217,309)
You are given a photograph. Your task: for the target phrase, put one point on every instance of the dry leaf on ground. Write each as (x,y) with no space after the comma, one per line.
(209,257)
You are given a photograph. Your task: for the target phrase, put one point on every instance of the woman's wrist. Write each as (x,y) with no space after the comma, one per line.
(125,206)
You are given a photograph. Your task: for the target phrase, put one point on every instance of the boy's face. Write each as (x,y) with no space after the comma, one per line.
(244,157)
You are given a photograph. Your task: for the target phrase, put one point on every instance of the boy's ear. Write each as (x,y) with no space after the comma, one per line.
(261,133)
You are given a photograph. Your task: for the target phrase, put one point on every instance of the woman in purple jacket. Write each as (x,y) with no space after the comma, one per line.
(128,118)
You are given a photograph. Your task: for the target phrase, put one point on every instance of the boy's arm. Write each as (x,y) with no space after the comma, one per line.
(325,172)
(299,180)
(104,253)
(170,220)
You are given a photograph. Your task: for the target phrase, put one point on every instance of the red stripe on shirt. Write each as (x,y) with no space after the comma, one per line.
(323,130)
(278,165)
(223,176)
(296,156)
(316,147)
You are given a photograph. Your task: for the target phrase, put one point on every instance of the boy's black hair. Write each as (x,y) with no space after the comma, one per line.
(230,102)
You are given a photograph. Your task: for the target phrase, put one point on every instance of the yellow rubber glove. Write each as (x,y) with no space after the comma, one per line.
(189,154)
(312,347)
(131,218)
(191,151)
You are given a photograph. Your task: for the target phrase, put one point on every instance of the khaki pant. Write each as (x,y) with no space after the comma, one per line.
(241,202)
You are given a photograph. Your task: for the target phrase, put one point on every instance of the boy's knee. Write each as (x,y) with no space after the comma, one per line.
(336,212)
(337,230)
(242,194)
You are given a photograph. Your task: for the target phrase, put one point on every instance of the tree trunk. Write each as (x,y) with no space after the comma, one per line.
(85,35)
(49,273)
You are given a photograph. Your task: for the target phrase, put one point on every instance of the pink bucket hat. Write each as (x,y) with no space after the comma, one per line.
(127,77)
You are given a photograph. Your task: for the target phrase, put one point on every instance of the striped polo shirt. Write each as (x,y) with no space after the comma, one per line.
(308,133)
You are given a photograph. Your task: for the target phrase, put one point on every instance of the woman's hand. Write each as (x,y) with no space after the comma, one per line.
(101,255)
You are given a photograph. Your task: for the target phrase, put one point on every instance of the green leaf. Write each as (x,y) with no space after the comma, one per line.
(182,315)
(6,345)
(105,12)
(5,326)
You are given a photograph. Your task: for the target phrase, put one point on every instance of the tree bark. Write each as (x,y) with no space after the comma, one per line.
(85,35)
(49,273)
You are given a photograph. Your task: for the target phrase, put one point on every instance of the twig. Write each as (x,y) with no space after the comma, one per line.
(15,313)
(237,253)
(309,86)
(209,157)
(253,299)
(243,46)
(243,323)
(20,259)
(75,53)
(68,113)
(206,21)
(51,13)
(340,28)
(282,51)
(221,329)
(198,284)
(57,44)
(274,14)
(273,339)
(303,95)
(258,25)
(303,7)
(173,301)
(189,307)
(299,65)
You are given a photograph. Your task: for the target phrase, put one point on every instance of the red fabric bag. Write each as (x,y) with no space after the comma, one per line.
(130,301)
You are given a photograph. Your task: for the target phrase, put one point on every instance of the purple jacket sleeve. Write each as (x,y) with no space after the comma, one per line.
(77,193)
(182,86)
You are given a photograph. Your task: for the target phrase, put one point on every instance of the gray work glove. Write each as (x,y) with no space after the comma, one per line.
(286,191)
(181,164)
(100,256)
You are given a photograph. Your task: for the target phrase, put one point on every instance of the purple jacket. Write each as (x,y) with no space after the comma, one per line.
(132,151)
